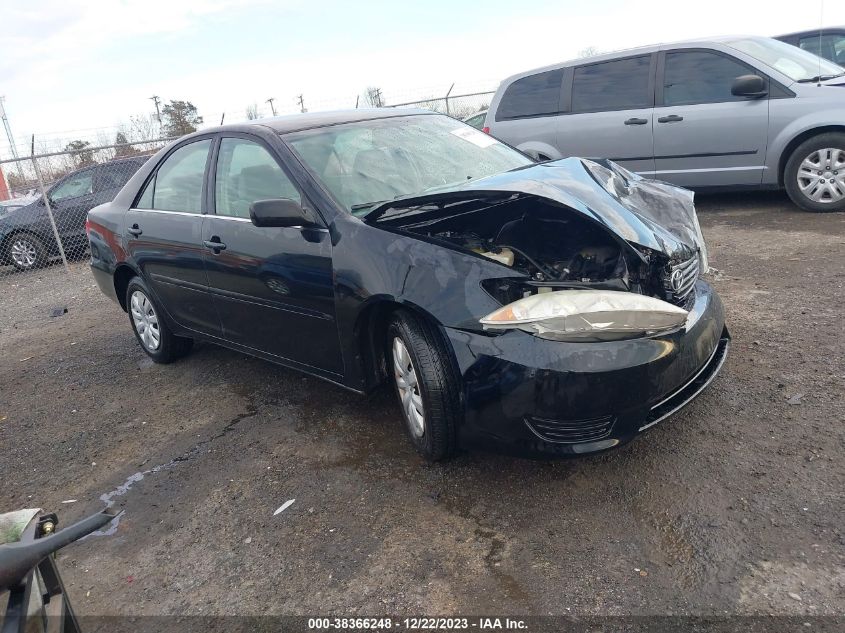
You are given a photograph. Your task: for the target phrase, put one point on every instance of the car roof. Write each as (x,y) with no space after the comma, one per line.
(825,30)
(308,120)
(631,52)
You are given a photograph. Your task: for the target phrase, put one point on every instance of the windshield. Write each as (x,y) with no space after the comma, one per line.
(793,62)
(368,162)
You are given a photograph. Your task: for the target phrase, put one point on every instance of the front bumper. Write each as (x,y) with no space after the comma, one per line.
(529,396)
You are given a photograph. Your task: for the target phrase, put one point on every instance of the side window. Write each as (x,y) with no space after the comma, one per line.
(535,95)
(177,185)
(74,186)
(246,172)
(700,77)
(621,84)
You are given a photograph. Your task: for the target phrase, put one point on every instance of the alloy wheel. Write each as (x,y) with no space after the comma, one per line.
(409,389)
(23,253)
(146,320)
(821,175)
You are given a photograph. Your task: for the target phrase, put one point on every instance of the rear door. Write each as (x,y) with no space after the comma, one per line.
(703,135)
(164,236)
(272,286)
(610,112)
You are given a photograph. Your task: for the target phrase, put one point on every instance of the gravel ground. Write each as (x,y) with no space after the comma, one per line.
(732,506)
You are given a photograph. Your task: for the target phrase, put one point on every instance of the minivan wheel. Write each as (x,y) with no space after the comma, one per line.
(150,329)
(815,173)
(426,385)
(26,252)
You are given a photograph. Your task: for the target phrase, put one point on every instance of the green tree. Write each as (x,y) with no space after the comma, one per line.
(82,156)
(123,149)
(179,118)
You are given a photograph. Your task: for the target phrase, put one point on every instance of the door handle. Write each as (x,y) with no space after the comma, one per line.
(672,118)
(636,121)
(214,244)
(134,230)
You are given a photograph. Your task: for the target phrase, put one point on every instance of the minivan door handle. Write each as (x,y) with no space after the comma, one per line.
(672,118)
(134,230)
(636,121)
(214,244)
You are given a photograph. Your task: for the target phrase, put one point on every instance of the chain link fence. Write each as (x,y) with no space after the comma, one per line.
(42,221)
(460,106)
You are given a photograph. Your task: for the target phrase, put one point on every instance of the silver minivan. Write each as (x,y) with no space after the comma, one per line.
(731,113)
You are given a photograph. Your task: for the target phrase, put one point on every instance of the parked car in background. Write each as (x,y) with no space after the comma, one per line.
(476,120)
(737,112)
(26,236)
(544,309)
(827,42)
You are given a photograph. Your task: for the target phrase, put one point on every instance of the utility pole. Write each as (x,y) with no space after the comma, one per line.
(272,107)
(301,103)
(156,101)
(11,138)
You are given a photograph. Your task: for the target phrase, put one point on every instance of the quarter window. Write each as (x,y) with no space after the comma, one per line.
(246,172)
(700,77)
(620,84)
(535,95)
(177,186)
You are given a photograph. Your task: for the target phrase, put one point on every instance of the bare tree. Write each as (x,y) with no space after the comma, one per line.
(252,112)
(590,51)
(123,149)
(83,156)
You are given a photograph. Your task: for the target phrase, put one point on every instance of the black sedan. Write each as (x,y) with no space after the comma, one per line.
(547,309)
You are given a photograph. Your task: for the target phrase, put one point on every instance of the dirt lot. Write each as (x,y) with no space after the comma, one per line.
(732,506)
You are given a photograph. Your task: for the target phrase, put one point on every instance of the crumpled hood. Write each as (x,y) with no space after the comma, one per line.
(646,213)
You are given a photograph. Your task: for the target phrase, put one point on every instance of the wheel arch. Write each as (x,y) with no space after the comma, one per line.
(370,329)
(123,274)
(796,141)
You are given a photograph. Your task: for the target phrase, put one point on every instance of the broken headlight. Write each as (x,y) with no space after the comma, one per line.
(588,315)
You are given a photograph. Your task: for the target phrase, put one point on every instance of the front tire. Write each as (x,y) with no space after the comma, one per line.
(426,385)
(150,329)
(815,173)
(26,252)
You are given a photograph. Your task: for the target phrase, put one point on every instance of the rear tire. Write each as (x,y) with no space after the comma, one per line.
(814,176)
(150,328)
(426,384)
(26,252)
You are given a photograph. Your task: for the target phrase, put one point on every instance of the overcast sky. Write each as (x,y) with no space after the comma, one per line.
(68,67)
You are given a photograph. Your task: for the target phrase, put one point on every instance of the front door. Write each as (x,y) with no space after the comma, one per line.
(611,113)
(272,286)
(164,237)
(703,135)
(70,201)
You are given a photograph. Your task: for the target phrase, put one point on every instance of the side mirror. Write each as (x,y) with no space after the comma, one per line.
(753,86)
(280,212)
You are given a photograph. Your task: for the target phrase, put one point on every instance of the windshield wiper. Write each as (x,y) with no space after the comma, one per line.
(365,205)
(812,80)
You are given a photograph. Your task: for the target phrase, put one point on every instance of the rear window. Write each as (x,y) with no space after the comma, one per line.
(620,84)
(535,95)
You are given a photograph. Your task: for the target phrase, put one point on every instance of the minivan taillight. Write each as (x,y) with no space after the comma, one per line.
(485,129)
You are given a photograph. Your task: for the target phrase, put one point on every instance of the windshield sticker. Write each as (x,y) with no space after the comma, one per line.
(474,136)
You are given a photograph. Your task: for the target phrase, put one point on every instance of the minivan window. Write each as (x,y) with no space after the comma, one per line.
(246,172)
(535,95)
(621,84)
(700,77)
(177,186)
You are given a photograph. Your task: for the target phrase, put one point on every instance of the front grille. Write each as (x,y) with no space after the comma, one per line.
(570,431)
(686,274)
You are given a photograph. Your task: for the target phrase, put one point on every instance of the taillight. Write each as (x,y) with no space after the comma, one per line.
(87,226)
(485,129)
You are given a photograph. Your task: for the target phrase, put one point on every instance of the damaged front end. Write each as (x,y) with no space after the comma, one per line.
(617,255)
